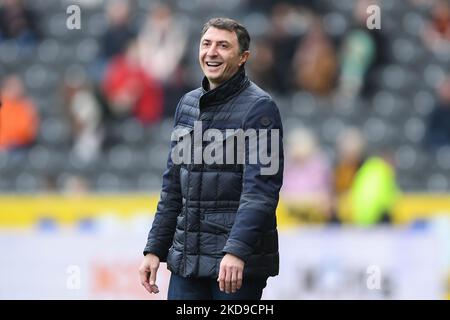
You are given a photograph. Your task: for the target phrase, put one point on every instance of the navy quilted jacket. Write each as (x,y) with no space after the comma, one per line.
(207,210)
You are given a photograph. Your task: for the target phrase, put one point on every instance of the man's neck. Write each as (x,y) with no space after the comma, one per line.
(208,85)
(212,85)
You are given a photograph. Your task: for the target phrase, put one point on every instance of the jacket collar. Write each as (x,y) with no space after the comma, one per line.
(225,91)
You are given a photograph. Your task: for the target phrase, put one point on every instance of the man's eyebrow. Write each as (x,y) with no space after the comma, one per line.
(223,41)
(219,42)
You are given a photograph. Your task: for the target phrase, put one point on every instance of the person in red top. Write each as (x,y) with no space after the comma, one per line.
(18,118)
(129,90)
(436,31)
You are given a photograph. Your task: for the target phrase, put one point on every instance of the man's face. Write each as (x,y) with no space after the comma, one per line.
(219,55)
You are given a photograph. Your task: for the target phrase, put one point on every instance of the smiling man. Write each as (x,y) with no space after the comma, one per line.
(220,53)
(215,223)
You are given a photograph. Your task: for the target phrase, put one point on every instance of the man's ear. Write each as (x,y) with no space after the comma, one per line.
(244,57)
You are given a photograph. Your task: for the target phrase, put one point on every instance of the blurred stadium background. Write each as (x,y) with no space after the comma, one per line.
(87,113)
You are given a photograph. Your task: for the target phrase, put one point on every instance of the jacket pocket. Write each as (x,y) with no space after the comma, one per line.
(218,220)
(216,227)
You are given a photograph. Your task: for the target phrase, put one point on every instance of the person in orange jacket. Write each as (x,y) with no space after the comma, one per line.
(18,117)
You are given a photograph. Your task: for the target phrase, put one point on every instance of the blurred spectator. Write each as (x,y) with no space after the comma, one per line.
(18,117)
(84,111)
(76,185)
(130,91)
(315,62)
(374,191)
(350,149)
(18,23)
(360,53)
(119,31)
(436,33)
(162,46)
(421,3)
(162,43)
(261,66)
(438,131)
(116,37)
(350,155)
(265,6)
(285,33)
(307,177)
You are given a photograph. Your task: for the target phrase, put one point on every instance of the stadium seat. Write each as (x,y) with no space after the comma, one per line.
(87,50)
(405,157)
(438,182)
(443,157)
(413,23)
(27,182)
(404,50)
(121,158)
(335,24)
(414,129)
(375,129)
(48,51)
(54,131)
(96,24)
(107,181)
(423,102)
(148,181)
(433,74)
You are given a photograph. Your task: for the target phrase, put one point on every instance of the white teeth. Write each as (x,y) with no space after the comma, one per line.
(213,64)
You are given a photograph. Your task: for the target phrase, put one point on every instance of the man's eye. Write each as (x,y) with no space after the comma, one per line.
(223,46)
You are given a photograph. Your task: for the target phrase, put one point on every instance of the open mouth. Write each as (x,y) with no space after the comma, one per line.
(213,64)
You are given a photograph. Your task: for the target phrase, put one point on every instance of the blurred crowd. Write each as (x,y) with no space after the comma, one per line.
(143,68)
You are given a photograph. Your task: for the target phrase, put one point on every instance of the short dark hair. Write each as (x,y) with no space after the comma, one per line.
(230,25)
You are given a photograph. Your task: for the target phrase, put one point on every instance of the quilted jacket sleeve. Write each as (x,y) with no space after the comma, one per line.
(161,234)
(260,193)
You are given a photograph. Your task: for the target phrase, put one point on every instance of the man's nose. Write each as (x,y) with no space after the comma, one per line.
(212,50)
